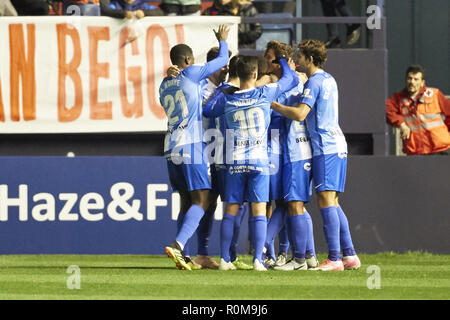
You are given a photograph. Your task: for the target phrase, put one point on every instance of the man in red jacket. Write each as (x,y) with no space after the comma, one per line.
(422,114)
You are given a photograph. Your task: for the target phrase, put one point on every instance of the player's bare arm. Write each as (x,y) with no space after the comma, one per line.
(298,113)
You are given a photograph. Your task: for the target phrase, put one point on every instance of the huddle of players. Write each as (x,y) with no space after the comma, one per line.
(259,155)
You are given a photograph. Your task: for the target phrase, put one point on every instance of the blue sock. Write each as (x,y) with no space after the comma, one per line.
(274,225)
(345,236)
(310,247)
(180,219)
(287,223)
(250,232)
(190,224)
(283,240)
(237,227)
(259,226)
(299,229)
(270,250)
(331,230)
(204,230)
(226,235)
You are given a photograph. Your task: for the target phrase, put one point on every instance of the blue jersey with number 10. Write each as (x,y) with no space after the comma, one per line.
(247,118)
(181,98)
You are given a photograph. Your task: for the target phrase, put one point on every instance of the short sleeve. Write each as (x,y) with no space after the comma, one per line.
(310,93)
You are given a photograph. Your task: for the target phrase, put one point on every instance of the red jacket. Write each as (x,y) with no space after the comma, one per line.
(428,117)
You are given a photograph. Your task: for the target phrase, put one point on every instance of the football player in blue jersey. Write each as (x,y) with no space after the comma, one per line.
(318,105)
(208,87)
(215,131)
(291,183)
(217,164)
(181,98)
(247,117)
(276,217)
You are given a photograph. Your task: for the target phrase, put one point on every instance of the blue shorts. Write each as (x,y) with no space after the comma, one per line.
(329,172)
(188,177)
(243,183)
(276,177)
(218,175)
(297,181)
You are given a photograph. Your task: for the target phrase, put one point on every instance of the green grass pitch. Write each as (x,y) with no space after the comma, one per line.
(411,275)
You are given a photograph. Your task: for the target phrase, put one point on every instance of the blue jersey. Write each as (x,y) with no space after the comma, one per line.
(321,95)
(217,129)
(181,98)
(208,91)
(247,118)
(297,144)
(275,137)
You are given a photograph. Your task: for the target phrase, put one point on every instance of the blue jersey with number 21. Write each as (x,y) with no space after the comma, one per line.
(181,98)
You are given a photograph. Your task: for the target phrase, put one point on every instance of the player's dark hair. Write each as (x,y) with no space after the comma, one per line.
(315,49)
(280,48)
(262,66)
(214,53)
(246,66)
(416,68)
(179,53)
(232,67)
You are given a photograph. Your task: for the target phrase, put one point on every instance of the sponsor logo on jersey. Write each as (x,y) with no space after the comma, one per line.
(306,94)
(307,166)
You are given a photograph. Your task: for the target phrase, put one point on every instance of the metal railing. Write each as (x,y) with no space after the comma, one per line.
(376,37)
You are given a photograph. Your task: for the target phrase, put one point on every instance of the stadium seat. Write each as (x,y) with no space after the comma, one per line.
(281,32)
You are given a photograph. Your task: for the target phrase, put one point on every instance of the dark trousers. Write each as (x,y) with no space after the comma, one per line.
(330,8)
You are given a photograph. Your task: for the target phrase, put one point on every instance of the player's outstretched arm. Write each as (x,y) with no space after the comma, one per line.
(298,113)
(222,59)
(197,73)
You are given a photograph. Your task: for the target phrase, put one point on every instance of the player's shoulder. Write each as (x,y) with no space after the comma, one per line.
(313,82)
(229,90)
(267,88)
(271,85)
(319,79)
(319,76)
(169,82)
